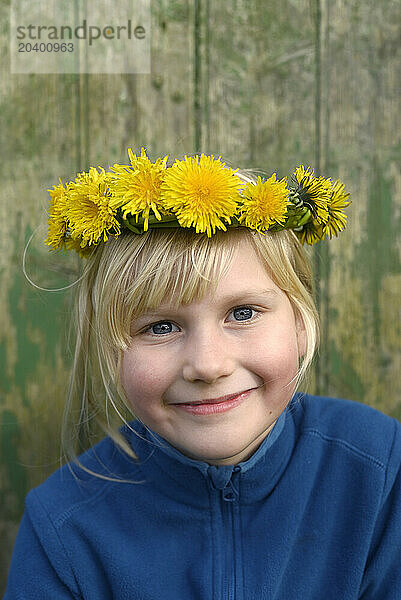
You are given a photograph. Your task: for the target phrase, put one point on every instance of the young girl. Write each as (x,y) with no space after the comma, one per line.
(195,312)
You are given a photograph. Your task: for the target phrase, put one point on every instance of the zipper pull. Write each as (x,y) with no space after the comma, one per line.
(231,493)
(221,478)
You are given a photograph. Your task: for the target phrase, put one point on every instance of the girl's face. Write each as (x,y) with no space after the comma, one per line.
(242,338)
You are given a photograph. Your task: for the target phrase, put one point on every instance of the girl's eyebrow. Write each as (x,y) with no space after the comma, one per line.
(237,297)
(242,295)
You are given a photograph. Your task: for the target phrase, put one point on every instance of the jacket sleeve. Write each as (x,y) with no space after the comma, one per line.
(33,572)
(382,576)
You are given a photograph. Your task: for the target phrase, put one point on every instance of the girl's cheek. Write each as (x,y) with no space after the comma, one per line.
(140,373)
(132,375)
(277,362)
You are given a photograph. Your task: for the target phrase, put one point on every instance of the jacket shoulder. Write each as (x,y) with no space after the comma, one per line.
(74,484)
(361,427)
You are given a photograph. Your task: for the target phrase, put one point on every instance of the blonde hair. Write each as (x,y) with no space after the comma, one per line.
(133,273)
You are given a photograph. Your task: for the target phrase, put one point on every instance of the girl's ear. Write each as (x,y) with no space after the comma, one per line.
(301,335)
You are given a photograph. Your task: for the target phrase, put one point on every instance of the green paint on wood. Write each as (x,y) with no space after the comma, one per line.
(377,255)
(344,376)
(4,380)
(197,78)
(15,481)
(35,315)
(27,352)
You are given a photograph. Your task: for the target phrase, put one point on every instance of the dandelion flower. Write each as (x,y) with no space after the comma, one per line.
(264,203)
(57,223)
(201,192)
(311,232)
(75,244)
(137,186)
(313,192)
(337,218)
(90,215)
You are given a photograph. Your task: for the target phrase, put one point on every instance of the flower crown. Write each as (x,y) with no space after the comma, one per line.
(198,192)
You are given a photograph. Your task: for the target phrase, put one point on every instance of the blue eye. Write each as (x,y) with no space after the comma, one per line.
(243,313)
(162,327)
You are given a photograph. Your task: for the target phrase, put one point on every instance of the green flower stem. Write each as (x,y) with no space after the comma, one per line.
(298,218)
(128,225)
(165,219)
(295,218)
(162,224)
(305,219)
(154,223)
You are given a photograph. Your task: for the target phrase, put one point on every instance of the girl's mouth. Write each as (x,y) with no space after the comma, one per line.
(214,406)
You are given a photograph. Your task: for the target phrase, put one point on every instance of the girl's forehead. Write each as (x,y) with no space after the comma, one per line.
(245,269)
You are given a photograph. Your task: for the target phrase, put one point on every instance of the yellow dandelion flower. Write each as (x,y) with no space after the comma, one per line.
(75,244)
(201,191)
(264,203)
(338,201)
(313,192)
(311,232)
(57,223)
(89,212)
(137,186)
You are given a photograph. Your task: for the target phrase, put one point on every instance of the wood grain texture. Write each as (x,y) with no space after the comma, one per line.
(265,85)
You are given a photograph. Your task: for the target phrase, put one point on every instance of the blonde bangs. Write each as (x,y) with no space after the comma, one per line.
(183,268)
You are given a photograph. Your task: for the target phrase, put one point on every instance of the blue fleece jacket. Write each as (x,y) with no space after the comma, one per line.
(315,513)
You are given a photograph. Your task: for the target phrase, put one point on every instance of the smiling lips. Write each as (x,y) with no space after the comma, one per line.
(214,406)
(212,400)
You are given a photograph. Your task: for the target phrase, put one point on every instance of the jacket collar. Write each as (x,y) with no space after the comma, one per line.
(190,481)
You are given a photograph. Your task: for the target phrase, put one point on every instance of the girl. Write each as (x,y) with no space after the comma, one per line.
(195,312)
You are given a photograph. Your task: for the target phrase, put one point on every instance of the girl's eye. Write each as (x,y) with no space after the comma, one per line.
(162,327)
(242,313)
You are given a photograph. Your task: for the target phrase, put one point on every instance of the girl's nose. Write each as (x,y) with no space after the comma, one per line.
(207,359)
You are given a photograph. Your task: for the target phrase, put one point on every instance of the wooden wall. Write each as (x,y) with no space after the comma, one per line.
(264,84)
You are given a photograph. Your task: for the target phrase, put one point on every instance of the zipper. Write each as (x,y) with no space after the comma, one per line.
(225,481)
